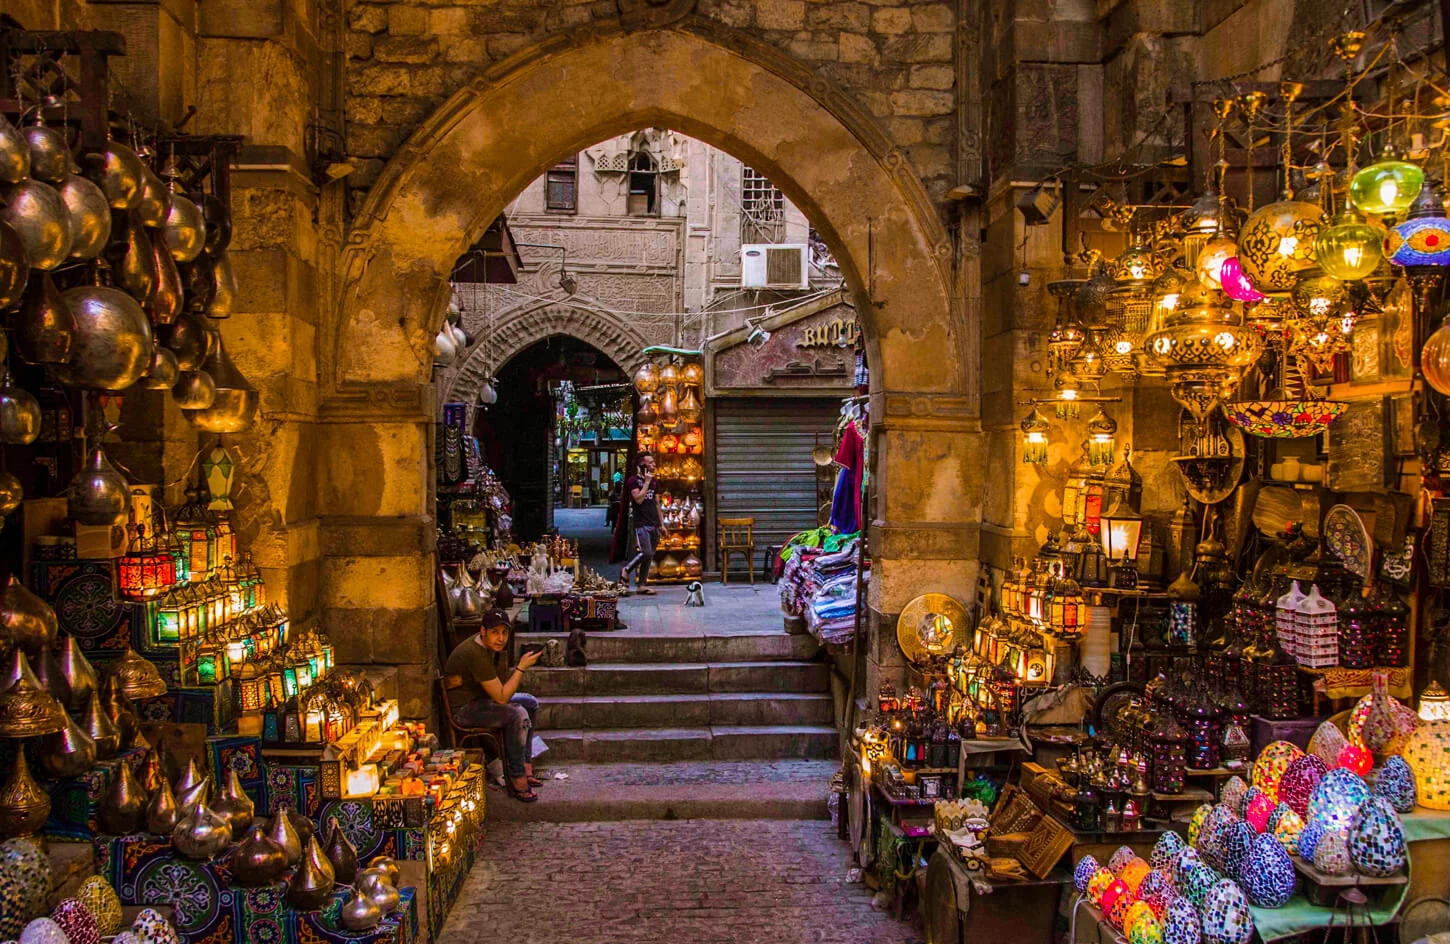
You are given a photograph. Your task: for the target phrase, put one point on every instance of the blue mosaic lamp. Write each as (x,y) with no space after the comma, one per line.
(1423,239)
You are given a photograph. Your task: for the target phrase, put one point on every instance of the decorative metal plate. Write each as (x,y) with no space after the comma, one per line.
(1347,537)
(931,625)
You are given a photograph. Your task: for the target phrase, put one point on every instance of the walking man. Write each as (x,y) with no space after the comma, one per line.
(647,527)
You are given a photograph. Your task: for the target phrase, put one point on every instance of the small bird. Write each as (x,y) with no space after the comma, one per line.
(694,594)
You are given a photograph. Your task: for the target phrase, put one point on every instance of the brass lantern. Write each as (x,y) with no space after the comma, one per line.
(1203,348)
(1278,242)
(1130,304)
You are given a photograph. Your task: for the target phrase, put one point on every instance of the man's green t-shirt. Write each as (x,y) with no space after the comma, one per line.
(476,664)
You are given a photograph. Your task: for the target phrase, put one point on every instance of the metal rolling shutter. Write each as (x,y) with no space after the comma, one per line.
(763,463)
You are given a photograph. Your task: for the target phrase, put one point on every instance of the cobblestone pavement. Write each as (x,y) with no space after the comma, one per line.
(688,881)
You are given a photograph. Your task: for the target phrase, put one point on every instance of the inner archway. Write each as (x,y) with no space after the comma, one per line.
(459,170)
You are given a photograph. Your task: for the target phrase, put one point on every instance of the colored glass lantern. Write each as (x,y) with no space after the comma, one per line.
(1277,243)
(1391,626)
(1423,239)
(1428,753)
(290,686)
(1168,755)
(250,688)
(1236,285)
(197,534)
(1349,248)
(1356,633)
(211,664)
(1068,387)
(218,471)
(1034,438)
(1102,443)
(1387,187)
(170,617)
(147,570)
(1434,703)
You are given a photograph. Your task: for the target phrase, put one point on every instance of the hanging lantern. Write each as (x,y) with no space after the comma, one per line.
(692,375)
(1068,387)
(1277,243)
(1034,438)
(1387,187)
(1203,349)
(218,472)
(147,570)
(1320,298)
(1200,222)
(1213,256)
(1349,247)
(1434,703)
(1423,239)
(690,407)
(1102,443)
(1236,285)
(170,618)
(1168,755)
(1130,303)
(647,379)
(196,531)
(1067,335)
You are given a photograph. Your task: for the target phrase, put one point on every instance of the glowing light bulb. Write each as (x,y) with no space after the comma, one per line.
(1288,245)
(1389,191)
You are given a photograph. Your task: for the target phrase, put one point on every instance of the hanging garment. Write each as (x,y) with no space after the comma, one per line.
(846,501)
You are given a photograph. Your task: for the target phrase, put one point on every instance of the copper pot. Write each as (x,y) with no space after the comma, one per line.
(19,414)
(166,298)
(185,228)
(202,834)
(90,216)
(310,887)
(257,860)
(117,170)
(14,153)
(24,805)
(194,390)
(225,295)
(14,266)
(153,203)
(163,372)
(133,258)
(112,342)
(162,812)
(235,408)
(41,219)
(98,495)
(12,493)
(218,224)
(26,621)
(68,752)
(101,729)
(125,805)
(45,327)
(50,158)
(187,338)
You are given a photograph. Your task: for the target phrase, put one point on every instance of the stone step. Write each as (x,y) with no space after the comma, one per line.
(682,678)
(720,742)
(633,711)
(641,647)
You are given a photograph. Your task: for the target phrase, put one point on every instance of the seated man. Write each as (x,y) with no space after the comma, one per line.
(489,697)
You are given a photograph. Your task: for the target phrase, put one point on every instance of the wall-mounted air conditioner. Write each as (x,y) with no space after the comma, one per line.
(775,265)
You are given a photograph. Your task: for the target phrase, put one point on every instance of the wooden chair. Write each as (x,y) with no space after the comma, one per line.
(458,735)
(576,496)
(737,536)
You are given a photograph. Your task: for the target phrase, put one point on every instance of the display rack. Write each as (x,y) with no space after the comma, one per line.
(670,426)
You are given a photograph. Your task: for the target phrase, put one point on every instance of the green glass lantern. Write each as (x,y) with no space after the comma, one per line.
(211,664)
(1034,438)
(218,471)
(289,681)
(170,619)
(1350,248)
(1386,187)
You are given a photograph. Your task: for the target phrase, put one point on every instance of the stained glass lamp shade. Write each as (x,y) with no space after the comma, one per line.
(1386,187)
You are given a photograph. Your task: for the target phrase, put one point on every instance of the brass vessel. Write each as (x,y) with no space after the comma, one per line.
(26,708)
(342,854)
(50,158)
(374,883)
(133,262)
(44,328)
(90,216)
(137,676)
(26,620)
(98,494)
(112,340)
(100,728)
(123,713)
(14,266)
(185,228)
(117,170)
(47,670)
(68,752)
(162,811)
(224,297)
(24,805)
(190,777)
(218,224)
(11,493)
(189,798)
(125,804)
(186,337)
(234,804)
(285,835)
(388,866)
(19,414)
(80,675)
(154,200)
(41,220)
(201,834)
(359,913)
(163,372)
(166,296)
(194,390)
(311,885)
(14,153)
(235,408)
(257,860)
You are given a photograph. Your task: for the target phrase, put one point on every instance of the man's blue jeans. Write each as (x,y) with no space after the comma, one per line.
(517,720)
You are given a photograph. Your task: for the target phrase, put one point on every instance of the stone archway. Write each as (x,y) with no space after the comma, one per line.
(516,329)
(463,165)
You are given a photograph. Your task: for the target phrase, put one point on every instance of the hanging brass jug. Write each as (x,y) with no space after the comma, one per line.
(98,495)
(68,752)
(90,216)
(24,805)
(235,408)
(234,804)
(194,390)
(218,224)
(359,913)
(166,297)
(14,266)
(19,414)
(80,675)
(48,672)
(668,407)
(198,279)
(14,153)
(11,493)
(201,834)
(112,340)
(189,798)
(186,337)
(310,887)
(284,835)
(154,200)
(41,220)
(185,228)
(50,158)
(117,170)
(162,811)
(225,295)
(101,729)
(125,805)
(133,258)
(163,372)
(44,328)
(26,621)
(342,854)
(257,860)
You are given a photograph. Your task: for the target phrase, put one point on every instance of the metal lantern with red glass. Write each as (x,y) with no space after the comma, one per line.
(147,570)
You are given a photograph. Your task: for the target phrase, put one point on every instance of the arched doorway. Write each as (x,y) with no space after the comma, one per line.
(491,139)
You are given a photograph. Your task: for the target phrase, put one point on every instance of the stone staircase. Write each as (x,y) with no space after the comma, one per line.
(703,697)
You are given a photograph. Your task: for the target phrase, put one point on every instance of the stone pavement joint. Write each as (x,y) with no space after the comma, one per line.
(693,881)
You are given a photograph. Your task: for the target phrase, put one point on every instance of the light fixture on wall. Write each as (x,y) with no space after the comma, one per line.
(1034,438)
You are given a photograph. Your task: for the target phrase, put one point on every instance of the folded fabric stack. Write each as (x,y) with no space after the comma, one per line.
(819,583)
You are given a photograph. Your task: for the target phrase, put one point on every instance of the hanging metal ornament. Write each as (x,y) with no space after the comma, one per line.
(90,216)
(118,172)
(194,390)
(198,278)
(12,493)
(50,158)
(98,495)
(44,328)
(187,338)
(218,225)
(153,203)
(163,372)
(236,404)
(112,340)
(132,260)
(166,297)
(14,266)
(14,153)
(225,294)
(19,414)
(185,227)
(41,220)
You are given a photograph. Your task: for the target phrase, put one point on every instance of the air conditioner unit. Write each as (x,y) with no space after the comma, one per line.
(775,265)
